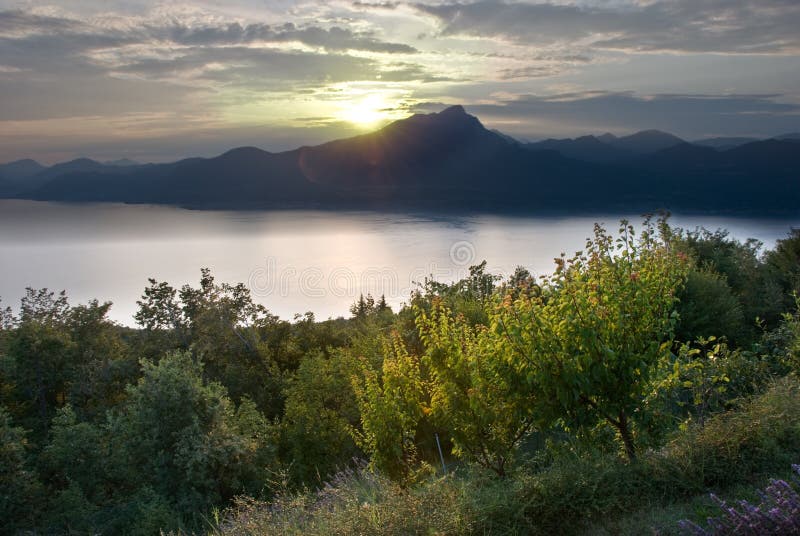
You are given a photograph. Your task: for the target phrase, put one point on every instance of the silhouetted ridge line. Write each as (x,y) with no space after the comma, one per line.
(447,160)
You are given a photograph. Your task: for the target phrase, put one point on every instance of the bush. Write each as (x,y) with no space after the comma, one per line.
(577,492)
(355,502)
(761,437)
(777,513)
(708,307)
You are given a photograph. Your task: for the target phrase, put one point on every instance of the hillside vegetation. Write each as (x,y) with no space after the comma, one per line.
(610,397)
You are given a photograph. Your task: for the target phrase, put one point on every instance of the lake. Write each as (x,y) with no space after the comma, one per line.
(293,261)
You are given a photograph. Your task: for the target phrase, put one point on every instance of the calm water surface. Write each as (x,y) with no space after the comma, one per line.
(294,261)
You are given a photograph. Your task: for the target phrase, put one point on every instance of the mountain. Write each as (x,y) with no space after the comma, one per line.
(683,156)
(506,137)
(608,148)
(723,144)
(20,169)
(586,148)
(607,138)
(73,166)
(646,141)
(449,160)
(13,175)
(793,136)
(122,162)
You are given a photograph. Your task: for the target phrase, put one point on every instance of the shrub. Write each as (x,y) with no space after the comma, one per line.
(354,502)
(777,513)
(760,437)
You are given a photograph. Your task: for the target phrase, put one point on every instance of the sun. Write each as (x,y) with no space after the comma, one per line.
(366,112)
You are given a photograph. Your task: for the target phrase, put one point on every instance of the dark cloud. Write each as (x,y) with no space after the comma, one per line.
(17,21)
(692,116)
(719,26)
(376,5)
(334,38)
(256,67)
(27,28)
(60,67)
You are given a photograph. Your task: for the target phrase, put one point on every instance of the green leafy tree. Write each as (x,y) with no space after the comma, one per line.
(708,307)
(38,362)
(183,438)
(221,325)
(783,264)
(759,290)
(392,402)
(471,398)
(101,362)
(588,344)
(20,492)
(468,296)
(321,409)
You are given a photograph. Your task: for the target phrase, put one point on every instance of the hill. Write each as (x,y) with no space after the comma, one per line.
(449,160)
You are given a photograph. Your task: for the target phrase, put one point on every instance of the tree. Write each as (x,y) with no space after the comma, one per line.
(391,403)
(183,438)
(588,343)
(20,491)
(471,397)
(756,286)
(320,411)
(38,358)
(707,307)
(221,325)
(784,265)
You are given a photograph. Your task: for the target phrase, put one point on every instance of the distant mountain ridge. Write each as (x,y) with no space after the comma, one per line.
(445,160)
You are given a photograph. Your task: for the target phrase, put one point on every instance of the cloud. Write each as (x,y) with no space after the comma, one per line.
(95,69)
(694,26)
(57,66)
(245,66)
(691,116)
(19,24)
(377,6)
(334,38)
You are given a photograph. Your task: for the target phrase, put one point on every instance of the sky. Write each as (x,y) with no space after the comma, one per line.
(157,81)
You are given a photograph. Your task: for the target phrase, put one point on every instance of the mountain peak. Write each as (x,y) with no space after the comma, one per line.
(456,109)
(647,141)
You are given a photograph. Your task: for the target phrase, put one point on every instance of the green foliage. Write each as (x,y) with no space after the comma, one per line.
(321,409)
(186,440)
(20,491)
(112,430)
(783,263)
(223,327)
(392,403)
(762,436)
(58,354)
(707,377)
(467,297)
(760,294)
(588,344)
(708,307)
(37,361)
(356,503)
(578,493)
(75,456)
(367,307)
(786,340)
(471,398)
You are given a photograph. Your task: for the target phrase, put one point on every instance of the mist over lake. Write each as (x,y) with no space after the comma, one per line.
(293,261)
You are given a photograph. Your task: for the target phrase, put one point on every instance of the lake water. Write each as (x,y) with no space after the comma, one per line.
(293,261)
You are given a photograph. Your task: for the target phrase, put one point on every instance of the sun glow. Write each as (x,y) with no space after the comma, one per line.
(366,112)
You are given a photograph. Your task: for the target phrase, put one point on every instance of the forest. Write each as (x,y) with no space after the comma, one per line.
(648,384)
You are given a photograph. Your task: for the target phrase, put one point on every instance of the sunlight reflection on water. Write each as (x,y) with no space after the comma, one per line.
(295,261)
